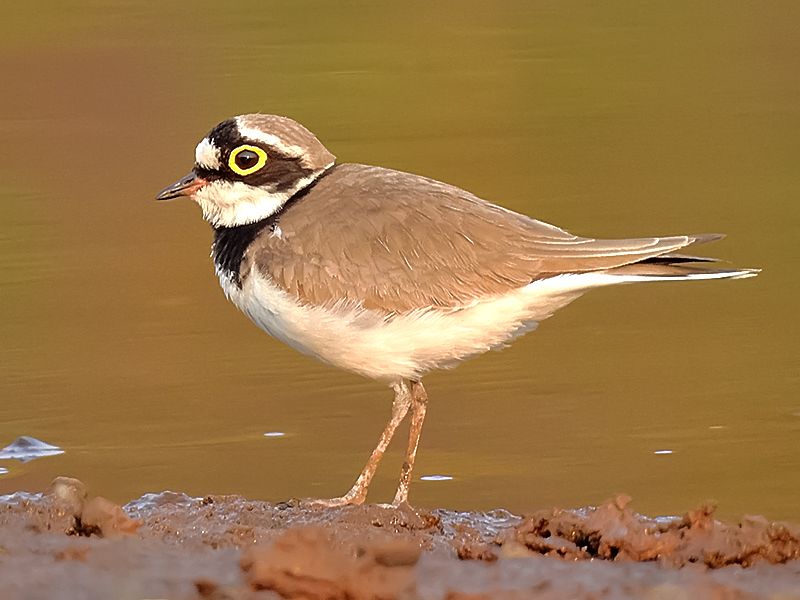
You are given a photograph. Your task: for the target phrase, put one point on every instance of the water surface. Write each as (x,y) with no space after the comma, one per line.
(612,119)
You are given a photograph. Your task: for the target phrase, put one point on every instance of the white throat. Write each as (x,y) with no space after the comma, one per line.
(228,204)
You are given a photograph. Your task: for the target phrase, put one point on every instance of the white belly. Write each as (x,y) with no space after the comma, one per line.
(406,346)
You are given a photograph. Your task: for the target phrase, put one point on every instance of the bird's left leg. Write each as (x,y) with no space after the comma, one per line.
(419,406)
(358,493)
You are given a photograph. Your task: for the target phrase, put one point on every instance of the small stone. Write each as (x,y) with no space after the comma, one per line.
(107,518)
(68,492)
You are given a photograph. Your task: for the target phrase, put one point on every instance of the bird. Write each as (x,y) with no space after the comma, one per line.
(388,274)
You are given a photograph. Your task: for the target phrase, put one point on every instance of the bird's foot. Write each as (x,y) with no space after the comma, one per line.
(346,500)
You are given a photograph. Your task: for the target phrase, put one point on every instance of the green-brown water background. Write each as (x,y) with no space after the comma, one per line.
(610,119)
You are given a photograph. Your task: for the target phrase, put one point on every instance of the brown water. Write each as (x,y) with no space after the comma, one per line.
(610,119)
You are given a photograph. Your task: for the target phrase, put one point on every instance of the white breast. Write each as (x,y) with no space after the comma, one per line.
(408,346)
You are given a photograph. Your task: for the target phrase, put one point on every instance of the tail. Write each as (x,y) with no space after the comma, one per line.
(678,267)
(646,271)
(551,293)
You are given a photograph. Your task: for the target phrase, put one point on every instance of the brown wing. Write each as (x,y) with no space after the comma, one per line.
(396,242)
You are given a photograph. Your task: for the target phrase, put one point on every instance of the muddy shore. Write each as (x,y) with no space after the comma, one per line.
(62,543)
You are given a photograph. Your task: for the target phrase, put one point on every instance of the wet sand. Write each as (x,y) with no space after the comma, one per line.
(66,544)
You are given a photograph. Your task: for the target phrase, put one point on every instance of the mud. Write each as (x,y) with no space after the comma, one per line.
(63,543)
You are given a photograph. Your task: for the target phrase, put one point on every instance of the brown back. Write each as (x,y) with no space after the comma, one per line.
(396,242)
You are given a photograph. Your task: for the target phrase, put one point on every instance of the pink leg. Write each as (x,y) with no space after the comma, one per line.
(419,406)
(358,493)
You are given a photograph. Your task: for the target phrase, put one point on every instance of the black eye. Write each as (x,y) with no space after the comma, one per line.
(246,159)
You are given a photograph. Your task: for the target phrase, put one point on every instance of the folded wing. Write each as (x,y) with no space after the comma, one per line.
(396,242)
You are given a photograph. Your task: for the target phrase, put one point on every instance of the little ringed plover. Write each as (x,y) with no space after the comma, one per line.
(392,275)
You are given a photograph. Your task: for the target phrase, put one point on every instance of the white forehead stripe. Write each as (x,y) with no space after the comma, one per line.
(257,135)
(207,155)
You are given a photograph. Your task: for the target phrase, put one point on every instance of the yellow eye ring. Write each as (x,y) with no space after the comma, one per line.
(243,166)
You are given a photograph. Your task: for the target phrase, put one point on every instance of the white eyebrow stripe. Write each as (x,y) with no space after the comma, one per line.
(267,138)
(207,155)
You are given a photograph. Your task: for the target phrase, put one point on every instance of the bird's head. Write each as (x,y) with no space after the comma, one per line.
(247,167)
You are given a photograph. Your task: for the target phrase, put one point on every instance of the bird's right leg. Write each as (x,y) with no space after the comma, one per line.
(358,493)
